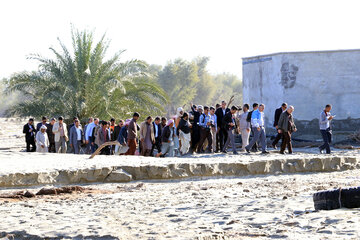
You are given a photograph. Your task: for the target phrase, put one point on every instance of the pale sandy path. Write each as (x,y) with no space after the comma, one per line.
(259,207)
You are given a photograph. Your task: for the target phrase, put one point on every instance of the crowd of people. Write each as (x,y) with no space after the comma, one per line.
(205,129)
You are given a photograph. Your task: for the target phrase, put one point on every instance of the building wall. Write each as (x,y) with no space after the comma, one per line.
(307,80)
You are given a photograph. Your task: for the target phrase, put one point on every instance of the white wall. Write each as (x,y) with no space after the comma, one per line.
(321,77)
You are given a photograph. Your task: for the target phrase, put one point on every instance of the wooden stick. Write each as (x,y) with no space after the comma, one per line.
(230,101)
(102,146)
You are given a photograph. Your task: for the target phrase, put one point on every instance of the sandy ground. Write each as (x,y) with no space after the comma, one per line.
(252,207)
(224,208)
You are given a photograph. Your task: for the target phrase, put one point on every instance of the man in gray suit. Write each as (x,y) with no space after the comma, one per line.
(76,137)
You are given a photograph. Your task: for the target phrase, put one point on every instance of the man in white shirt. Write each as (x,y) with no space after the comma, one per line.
(244,126)
(89,138)
(61,135)
(325,128)
(214,127)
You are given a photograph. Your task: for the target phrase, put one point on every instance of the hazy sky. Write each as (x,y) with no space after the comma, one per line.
(160,30)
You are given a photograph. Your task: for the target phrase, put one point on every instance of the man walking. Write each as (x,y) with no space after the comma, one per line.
(278,112)
(214,127)
(89,136)
(117,130)
(61,136)
(51,135)
(258,127)
(103,136)
(255,107)
(286,127)
(183,131)
(76,137)
(229,123)
(157,135)
(42,141)
(325,128)
(167,142)
(147,137)
(220,113)
(244,126)
(195,131)
(205,131)
(132,134)
(88,145)
(30,131)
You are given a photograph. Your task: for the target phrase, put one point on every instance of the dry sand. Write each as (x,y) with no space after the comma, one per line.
(247,207)
(258,207)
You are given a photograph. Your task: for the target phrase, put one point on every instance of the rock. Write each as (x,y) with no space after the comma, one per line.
(232,222)
(119,176)
(285,197)
(47,191)
(28,194)
(246,190)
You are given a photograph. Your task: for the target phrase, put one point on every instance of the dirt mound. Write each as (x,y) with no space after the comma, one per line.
(45,191)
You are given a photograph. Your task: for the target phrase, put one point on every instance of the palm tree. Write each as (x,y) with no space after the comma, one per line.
(85,84)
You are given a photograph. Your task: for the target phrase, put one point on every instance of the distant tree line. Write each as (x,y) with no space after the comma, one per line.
(84,81)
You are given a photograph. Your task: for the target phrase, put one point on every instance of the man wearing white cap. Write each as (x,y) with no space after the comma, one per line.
(42,141)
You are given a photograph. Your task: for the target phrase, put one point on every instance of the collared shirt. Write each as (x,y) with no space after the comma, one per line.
(156,127)
(224,111)
(213,118)
(203,120)
(78,132)
(30,127)
(242,121)
(324,121)
(89,130)
(62,133)
(257,118)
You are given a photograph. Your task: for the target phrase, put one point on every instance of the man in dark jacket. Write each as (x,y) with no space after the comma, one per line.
(220,113)
(157,133)
(51,135)
(71,125)
(278,112)
(286,127)
(40,124)
(76,137)
(248,119)
(30,132)
(229,124)
(167,140)
(195,131)
(117,129)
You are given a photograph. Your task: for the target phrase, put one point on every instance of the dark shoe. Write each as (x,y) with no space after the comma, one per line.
(247,150)
(274,146)
(235,153)
(290,153)
(282,152)
(224,151)
(254,150)
(321,151)
(265,152)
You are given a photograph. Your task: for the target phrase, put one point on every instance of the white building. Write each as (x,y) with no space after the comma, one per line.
(307,80)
